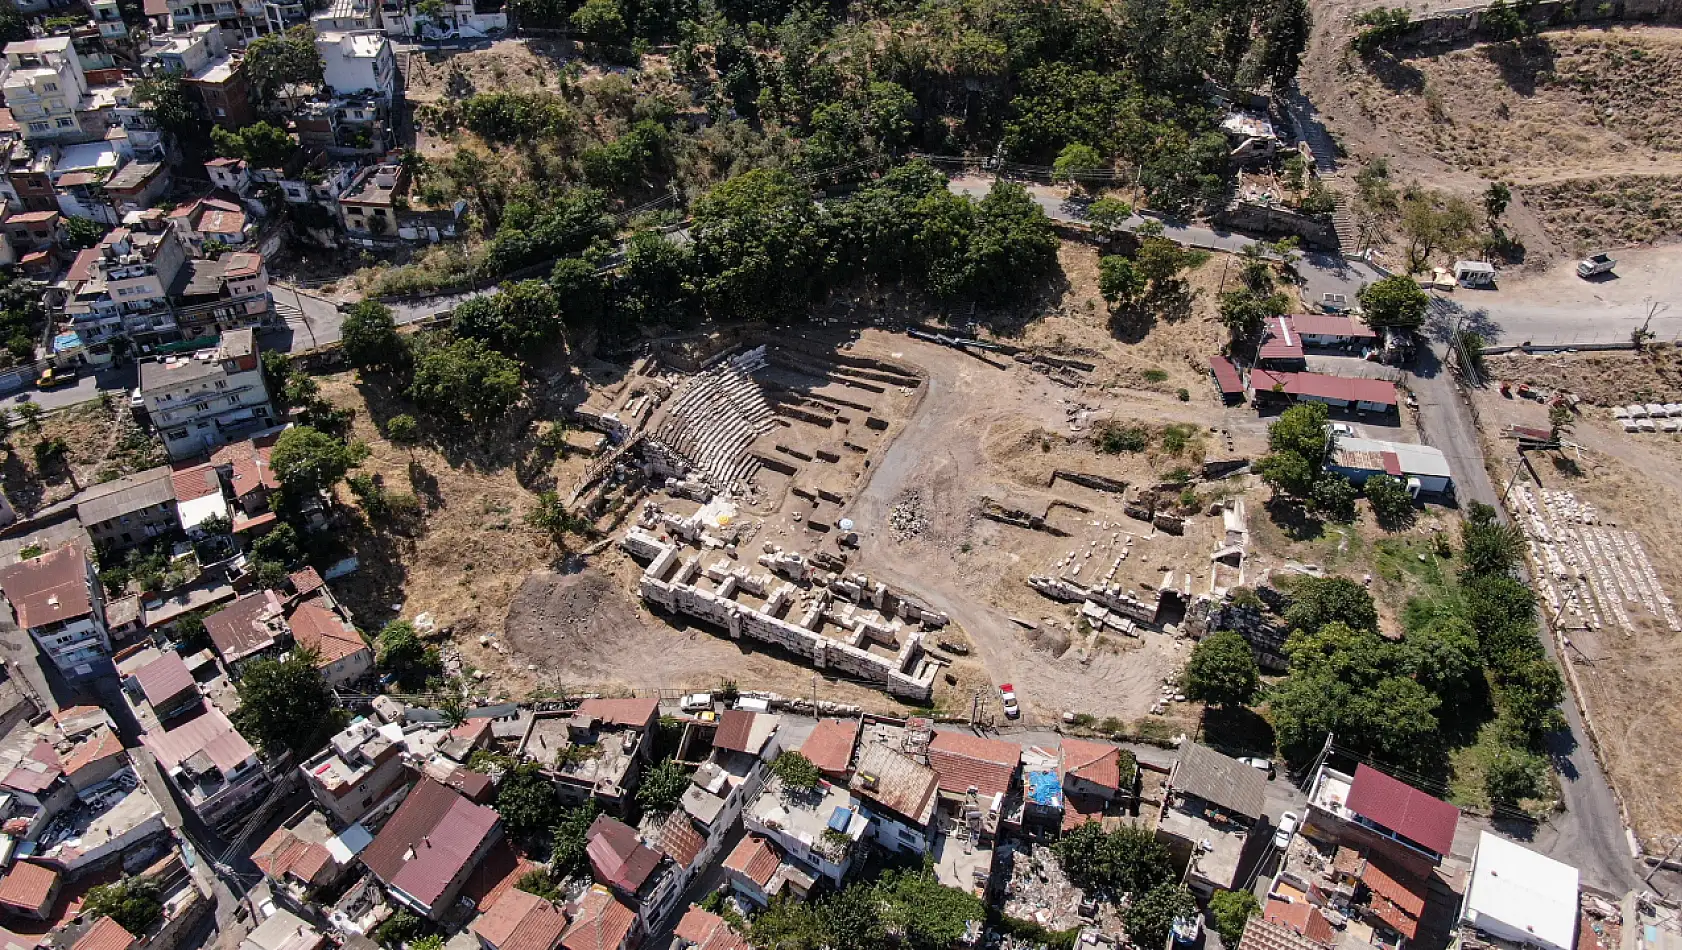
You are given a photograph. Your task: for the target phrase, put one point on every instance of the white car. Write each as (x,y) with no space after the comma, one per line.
(1341,430)
(1007,696)
(1264,766)
(696,702)
(1287,829)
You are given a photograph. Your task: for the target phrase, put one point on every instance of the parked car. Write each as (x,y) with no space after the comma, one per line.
(1265,766)
(1596,265)
(696,702)
(1286,831)
(1341,430)
(1007,695)
(51,377)
(135,400)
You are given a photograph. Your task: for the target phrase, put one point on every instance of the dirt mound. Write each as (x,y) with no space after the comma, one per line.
(1049,639)
(571,615)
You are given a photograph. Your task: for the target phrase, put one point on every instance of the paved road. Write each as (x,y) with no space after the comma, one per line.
(1059,207)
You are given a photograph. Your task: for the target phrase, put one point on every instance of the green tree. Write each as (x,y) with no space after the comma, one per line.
(568,840)
(1222,671)
(1245,312)
(1231,910)
(600,21)
(398,646)
(167,102)
(1334,496)
(761,245)
(1487,545)
(309,462)
(1391,503)
(655,284)
(465,381)
(30,413)
(1120,282)
(1495,200)
(1433,222)
(527,802)
(84,232)
(521,320)
(1318,601)
(580,291)
(551,515)
(262,144)
(280,544)
(1013,243)
(1512,775)
(286,706)
(401,928)
(280,61)
(1395,301)
(662,787)
(890,113)
(402,429)
(1107,215)
(540,883)
(370,339)
(14,26)
(1076,165)
(1299,444)
(1127,860)
(796,771)
(927,914)
(135,903)
(1151,915)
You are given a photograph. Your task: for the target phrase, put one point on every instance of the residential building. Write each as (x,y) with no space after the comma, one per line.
(830,746)
(32,775)
(426,849)
(703,930)
(216,771)
(232,175)
(976,776)
(1338,392)
(357,62)
(130,510)
(137,186)
(819,828)
(1423,469)
(304,856)
(162,681)
(29,889)
(1374,812)
(120,288)
(253,625)
(208,220)
(755,870)
(245,468)
(1096,776)
(638,875)
(105,934)
(341,655)
(723,785)
(381,204)
(1264,933)
(1210,804)
(1325,331)
(597,751)
(1520,899)
(361,765)
(207,399)
(44,84)
(36,230)
(221,295)
(600,921)
(198,496)
(284,930)
(899,795)
(520,921)
(58,599)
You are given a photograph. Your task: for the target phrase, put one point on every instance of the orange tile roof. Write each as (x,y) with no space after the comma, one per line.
(521,921)
(677,838)
(102,745)
(1096,763)
(316,626)
(830,746)
(708,931)
(195,481)
(755,858)
(27,885)
(964,761)
(601,923)
(621,712)
(105,934)
(1404,890)
(284,853)
(1302,917)
(496,875)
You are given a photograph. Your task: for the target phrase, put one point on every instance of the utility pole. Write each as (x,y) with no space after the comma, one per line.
(1675,843)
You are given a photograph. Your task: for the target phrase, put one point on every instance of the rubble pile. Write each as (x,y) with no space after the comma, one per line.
(906,520)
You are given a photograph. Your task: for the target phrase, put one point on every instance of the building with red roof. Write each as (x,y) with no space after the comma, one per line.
(640,875)
(211,764)
(1394,808)
(1303,918)
(520,921)
(1228,381)
(751,866)
(968,763)
(340,653)
(428,847)
(830,746)
(29,889)
(105,934)
(166,685)
(703,930)
(253,625)
(600,922)
(57,597)
(1338,392)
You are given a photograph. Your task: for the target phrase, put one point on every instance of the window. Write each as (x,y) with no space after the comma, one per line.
(50,87)
(66,123)
(204,425)
(39,126)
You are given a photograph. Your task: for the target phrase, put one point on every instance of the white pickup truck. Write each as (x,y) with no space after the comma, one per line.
(1598,264)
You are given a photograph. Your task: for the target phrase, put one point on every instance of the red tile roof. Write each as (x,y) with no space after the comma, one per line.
(244,626)
(306,581)
(830,746)
(31,217)
(521,921)
(640,713)
(617,856)
(1325,324)
(284,853)
(105,934)
(1263,934)
(103,744)
(496,875)
(601,923)
(677,838)
(707,931)
(27,885)
(164,678)
(1394,886)
(48,588)
(1302,917)
(316,627)
(82,267)
(964,761)
(7,122)
(1403,809)
(755,858)
(195,481)
(1096,763)
(735,726)
(427,842)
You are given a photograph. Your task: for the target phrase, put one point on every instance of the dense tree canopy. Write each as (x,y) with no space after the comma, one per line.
(1222,671)
(369,337)
(285,705)
(308,461)
(465,381)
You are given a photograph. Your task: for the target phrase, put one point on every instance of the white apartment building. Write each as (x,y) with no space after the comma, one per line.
(57,597)
(357,62)
(202,400)
(43,84)
(121,288)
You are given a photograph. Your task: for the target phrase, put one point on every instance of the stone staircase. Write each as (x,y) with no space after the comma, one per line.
(1348,232)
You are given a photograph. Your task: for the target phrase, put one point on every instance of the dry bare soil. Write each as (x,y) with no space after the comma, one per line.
(1632,679)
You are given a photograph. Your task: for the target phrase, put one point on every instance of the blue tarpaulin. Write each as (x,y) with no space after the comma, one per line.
(1045,788)
(840,818)
(67,340)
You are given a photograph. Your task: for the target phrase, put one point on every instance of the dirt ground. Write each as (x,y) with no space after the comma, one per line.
(1615,378)
(1632,678)
(508,65)
(101,442)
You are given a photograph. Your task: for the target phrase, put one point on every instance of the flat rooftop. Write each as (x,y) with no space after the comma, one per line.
(1219,864)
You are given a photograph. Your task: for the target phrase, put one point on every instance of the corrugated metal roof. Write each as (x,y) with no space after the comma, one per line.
(1325,324)
(1220,780)
(830,746)
(1403,809)
(48,588)
(896,781)
(622,712)
(210,733)
(164,678)
(1226,375)
(618,856)
(431,837)
(246,626)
